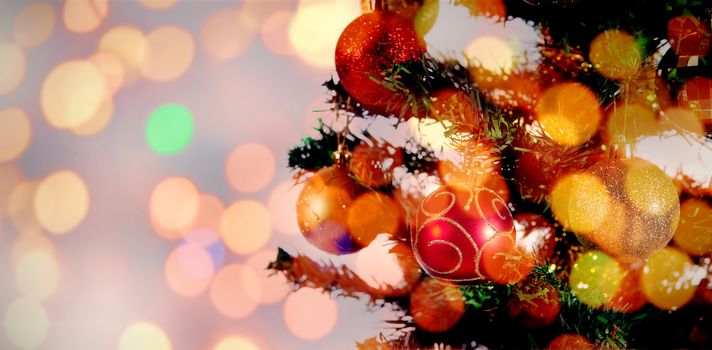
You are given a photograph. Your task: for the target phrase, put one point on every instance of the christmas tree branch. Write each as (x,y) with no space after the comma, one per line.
(302,272)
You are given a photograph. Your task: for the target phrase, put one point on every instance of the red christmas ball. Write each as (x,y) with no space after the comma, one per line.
(465,234)
(367,49)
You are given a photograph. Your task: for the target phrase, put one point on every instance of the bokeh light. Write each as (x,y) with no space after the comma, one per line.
(694,232)
(158,4)
(301,318)
(169,129)
(683,121)
(236,343)
(568,113)
(275,31)
(12,69)
(274,286)
(10,176)
(37,275)
(144,336)
(245,226)
(72,93)
(61,202)
(376,266)
(169,54)
(250,167)
(26,323)
(236,291)
(31,241)
(188,270)
(84,16)
(668,279)
(111,68)
(373,213)
(173,205)
(209,213)
(580,202)
(629,122)
(615,54)
(316,27)
(281,204)
(125,42)
(227,34)
(34,24)
(492,53)
(15,133)
(97,122)
(211,242)
(430,133)
(21,206)
(595,278)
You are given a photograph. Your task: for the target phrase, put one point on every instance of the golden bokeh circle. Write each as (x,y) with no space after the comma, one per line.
(580,202)
(144,336)
(245,226)
(61,202)
(84,16)
(235,291)
(694,232)
(26,323)
(169,54)
(301,319)
(72,94)
(568,113)
(12,69)
(34,24)
(615,54)
(173,205)
(15,133)
(666,279)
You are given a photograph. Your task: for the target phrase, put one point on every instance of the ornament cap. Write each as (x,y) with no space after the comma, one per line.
(341,157)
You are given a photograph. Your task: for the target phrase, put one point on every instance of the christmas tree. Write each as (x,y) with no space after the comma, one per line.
(538,223)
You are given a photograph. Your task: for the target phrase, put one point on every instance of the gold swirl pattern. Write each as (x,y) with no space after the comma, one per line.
(439,216)
(450,244)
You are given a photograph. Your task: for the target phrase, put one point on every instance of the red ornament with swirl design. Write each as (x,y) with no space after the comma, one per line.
(465,234)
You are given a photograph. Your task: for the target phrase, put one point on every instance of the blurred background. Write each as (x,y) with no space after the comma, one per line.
(143,168)
(143,177)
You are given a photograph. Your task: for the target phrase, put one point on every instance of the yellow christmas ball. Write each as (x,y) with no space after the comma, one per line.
(628,208)
(694,233)
(595,278)
(668,280)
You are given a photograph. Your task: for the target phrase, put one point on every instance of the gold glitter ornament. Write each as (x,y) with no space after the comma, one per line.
(628,208)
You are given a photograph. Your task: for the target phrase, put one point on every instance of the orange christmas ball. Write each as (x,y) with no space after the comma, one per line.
(536,305)
(435,306)
(570,342)
(323,211)
(367,49)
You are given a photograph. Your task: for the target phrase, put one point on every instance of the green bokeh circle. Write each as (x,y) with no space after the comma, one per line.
(169,129)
